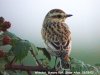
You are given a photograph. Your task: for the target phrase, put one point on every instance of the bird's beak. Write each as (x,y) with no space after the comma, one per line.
(68,15)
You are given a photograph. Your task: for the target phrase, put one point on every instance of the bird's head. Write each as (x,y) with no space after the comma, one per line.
(57,15)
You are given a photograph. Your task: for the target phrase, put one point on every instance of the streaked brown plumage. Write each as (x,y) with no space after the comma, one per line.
(56,33)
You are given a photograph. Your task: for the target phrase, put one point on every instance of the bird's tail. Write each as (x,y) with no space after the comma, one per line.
(65,64)
(65,60)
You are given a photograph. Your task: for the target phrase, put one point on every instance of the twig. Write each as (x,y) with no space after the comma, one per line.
(26,68)
(12,61)
(45,52)
(35,58)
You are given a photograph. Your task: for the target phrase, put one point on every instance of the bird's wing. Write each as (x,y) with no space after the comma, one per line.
(57,36)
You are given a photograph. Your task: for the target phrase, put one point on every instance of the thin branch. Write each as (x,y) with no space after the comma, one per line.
(45,52)
(27,68)
(35,58)
(13,60)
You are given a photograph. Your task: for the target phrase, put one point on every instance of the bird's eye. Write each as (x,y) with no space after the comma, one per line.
(59,16)
(54,16)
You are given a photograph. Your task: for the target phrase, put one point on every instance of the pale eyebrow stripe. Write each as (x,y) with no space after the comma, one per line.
(57,14)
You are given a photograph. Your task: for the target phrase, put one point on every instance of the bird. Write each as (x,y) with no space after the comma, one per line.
(57,35)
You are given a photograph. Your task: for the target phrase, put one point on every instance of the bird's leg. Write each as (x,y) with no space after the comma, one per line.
(60,64)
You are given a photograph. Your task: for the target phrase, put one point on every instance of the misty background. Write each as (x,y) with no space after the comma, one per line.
(26,17)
